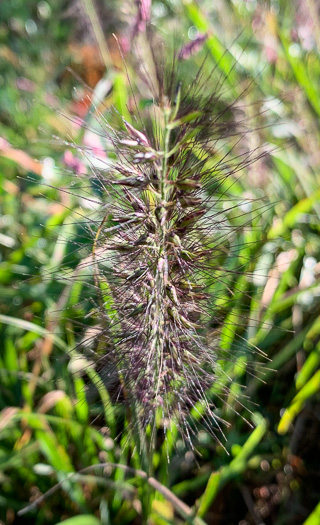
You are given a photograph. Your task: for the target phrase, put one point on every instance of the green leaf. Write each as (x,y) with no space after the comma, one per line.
(238,465)
(309,390)
(311,363)
(314,518)
(105,398)
(81,407)
(54,452)
(221,56)
(120,95)
(293,216)
(302,76)
(184,120)
(34,328)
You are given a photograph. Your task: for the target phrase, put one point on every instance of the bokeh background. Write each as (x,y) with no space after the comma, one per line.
(55,417)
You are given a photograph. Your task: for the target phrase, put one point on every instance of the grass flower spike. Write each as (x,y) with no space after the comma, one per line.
(157,250)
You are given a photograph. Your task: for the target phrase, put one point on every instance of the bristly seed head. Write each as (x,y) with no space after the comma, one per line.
(157,252)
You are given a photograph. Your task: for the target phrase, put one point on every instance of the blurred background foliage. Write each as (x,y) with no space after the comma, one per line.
(54,420)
